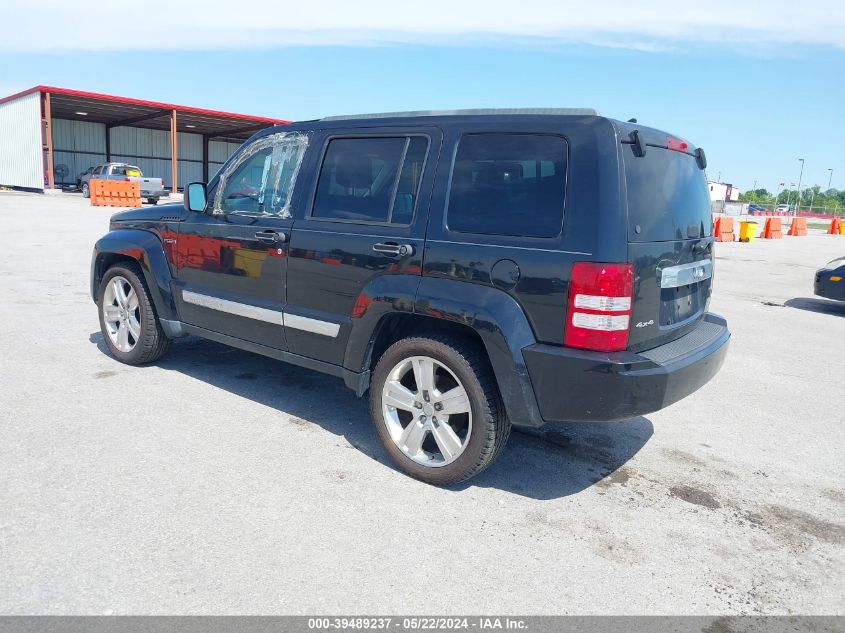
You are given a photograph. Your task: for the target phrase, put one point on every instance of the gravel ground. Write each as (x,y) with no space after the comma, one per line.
(218,481)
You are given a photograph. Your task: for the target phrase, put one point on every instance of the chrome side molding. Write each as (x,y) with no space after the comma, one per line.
(276,317)
(233,307)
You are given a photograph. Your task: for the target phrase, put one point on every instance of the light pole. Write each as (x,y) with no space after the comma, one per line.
(800,175)
(813,197)
(830,179)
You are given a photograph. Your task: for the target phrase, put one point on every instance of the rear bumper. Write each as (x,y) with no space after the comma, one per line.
(153,194)
(824,287)
(579,385)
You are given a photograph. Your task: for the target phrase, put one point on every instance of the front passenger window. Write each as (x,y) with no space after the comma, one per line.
(262,179)
(244,185)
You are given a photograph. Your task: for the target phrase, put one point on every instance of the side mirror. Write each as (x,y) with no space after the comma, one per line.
(195,197)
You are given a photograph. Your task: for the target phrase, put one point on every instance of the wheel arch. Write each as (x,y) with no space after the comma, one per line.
(144,249)
(486,316)
(395,326)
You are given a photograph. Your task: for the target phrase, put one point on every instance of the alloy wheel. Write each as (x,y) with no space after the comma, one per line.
(121,314)
(427,411)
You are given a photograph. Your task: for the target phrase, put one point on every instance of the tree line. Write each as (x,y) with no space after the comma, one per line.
(832,198)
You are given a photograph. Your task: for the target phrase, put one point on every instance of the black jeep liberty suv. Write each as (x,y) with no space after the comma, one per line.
(471,270)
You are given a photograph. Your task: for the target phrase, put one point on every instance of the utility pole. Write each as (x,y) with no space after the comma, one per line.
(830,179)
(798,204)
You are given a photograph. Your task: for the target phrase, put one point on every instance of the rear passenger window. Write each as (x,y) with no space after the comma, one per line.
(370,179)
(508,184)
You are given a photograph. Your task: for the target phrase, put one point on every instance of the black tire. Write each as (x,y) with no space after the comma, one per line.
(152,200)
(490,426)
(152,343)
(86,190)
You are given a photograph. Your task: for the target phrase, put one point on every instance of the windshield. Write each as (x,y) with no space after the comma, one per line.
(667,196)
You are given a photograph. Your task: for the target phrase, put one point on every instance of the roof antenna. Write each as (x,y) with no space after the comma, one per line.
(632,120)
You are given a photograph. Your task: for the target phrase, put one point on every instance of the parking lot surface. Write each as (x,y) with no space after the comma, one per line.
(218,481)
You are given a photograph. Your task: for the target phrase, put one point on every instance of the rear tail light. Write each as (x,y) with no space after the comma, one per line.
(599,312)
(126,178)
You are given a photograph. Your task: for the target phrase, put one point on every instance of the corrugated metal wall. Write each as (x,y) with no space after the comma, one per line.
(218,153)
(21,163)
(77,145)
(150,150)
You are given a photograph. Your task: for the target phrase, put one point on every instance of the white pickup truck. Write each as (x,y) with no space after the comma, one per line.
(151,188)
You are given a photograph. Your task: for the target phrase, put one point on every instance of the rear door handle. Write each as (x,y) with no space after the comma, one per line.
(392,249)
(271,237)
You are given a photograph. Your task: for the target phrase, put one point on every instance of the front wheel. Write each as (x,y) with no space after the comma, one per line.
(437,410)
(128,320)
(86,192)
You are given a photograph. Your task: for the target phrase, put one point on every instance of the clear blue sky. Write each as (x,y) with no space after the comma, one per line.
(754,111)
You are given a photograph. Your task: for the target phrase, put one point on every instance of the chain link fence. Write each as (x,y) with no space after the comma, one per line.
(728,207)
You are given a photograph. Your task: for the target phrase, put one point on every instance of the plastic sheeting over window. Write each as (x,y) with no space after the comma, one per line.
(262,178)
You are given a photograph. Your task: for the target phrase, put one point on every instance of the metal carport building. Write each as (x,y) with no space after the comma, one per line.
(49,135)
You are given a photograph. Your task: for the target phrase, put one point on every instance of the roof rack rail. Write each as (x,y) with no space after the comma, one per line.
(469,112)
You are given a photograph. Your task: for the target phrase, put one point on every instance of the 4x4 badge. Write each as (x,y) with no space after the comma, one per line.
(645,324)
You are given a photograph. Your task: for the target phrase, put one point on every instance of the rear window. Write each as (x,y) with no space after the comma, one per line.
(126,170)
(667,196)
(508,184)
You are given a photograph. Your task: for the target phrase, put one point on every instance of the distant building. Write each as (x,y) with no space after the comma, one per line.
(49,135)
(722,191)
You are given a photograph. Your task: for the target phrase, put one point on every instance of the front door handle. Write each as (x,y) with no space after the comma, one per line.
(392,249)
(271,237)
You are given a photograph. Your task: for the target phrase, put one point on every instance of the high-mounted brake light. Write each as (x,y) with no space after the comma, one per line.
(600,301)
(676,144)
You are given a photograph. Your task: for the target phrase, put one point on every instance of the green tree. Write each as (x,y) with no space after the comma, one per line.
(758,196)
(832,199)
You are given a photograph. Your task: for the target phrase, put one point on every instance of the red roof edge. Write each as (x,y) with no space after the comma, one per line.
(144,102)
(17,95)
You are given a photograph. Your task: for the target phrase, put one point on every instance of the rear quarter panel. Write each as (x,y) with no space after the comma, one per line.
(593,225)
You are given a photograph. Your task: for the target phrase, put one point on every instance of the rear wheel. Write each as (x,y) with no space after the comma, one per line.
(436,409)
(128,320)
(152,200)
